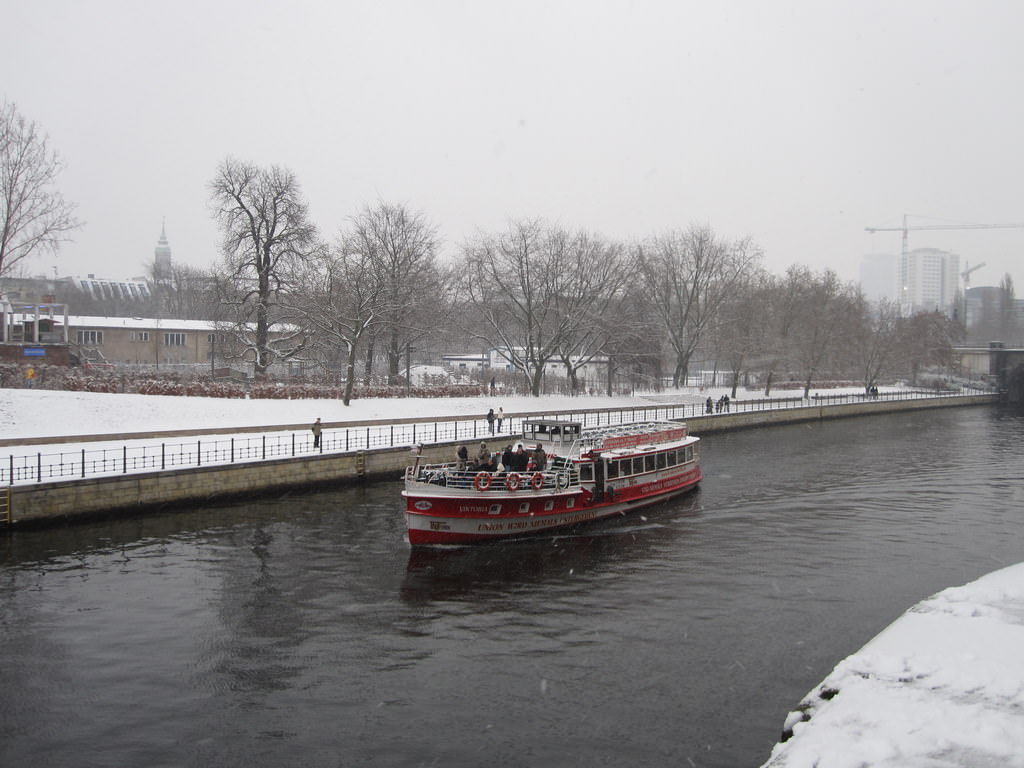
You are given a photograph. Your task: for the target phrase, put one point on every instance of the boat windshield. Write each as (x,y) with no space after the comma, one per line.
(559,436)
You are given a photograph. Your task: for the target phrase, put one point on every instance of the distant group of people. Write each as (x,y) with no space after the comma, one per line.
(495,419)
(507,460)
(717,406)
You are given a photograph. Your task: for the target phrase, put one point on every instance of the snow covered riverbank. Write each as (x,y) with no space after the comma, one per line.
(942,686)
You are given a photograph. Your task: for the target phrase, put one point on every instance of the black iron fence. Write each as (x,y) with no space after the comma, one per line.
(95,459)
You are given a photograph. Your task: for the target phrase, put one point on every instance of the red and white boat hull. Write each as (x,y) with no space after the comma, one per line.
(447,517)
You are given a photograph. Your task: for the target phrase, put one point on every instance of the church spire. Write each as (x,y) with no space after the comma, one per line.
(162,266)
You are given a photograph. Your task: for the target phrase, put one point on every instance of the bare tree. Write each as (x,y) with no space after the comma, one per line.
(266,229)
(825,306)
(185,292)
(531,288)
(927,340)
(401,248)
(340,302)
(689,276)
(741,329)
(596,273)
(33,215)
(875,342)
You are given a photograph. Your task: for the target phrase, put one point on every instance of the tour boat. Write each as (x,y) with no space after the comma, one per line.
(588,474)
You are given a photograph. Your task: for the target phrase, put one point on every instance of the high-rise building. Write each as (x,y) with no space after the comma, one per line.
(927,280)
(878,276)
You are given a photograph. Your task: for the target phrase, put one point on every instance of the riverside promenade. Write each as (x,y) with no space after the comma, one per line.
(50,480)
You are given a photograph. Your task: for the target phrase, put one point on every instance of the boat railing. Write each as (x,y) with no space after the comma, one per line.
(450,476)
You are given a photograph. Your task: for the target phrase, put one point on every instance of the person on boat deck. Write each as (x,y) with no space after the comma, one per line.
(462,456)
(506,458)
(540,458)
(519,459)
(483,458)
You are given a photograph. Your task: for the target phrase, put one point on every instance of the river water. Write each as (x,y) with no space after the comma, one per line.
(301,631)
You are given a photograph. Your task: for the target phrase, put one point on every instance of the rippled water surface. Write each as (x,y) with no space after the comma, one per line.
(301,631)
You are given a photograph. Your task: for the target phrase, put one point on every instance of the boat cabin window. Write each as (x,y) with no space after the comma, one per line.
(662,460)
(649,462)
(613,469)
(586,473)
(638,465)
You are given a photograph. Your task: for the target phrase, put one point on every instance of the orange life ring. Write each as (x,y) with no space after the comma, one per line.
(537,481)
(482,481)
(512,481)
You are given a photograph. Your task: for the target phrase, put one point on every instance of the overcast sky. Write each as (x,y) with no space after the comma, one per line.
(797,124)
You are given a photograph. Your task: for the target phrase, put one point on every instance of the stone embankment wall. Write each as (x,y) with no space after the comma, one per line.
(54,502)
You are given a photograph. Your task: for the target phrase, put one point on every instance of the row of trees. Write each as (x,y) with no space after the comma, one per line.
(543,293)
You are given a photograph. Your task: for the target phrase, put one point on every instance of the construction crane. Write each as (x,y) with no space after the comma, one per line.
(966,274)
(905,228)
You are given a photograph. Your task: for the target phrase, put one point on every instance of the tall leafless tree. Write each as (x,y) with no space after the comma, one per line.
(532,289)
(597,271)
(689,276)
(266,231)
(401,248)
(874,343)
(339,301)
(33,214)
(825,309)
(740,333)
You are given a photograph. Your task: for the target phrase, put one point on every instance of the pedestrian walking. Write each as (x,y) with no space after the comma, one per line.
(316,429)
(500,417)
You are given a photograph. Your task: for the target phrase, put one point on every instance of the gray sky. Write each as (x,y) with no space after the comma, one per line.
(797,124)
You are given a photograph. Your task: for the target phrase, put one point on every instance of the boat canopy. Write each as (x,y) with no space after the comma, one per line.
(554,433)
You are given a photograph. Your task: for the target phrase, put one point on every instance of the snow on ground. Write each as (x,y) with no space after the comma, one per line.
(44,413)
(942,686)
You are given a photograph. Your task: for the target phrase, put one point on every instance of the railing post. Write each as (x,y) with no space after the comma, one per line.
(264,446)
(83,463)
(293,443)
(232,450)
(199,453)
(39,467)
(163,455)
(124,459)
